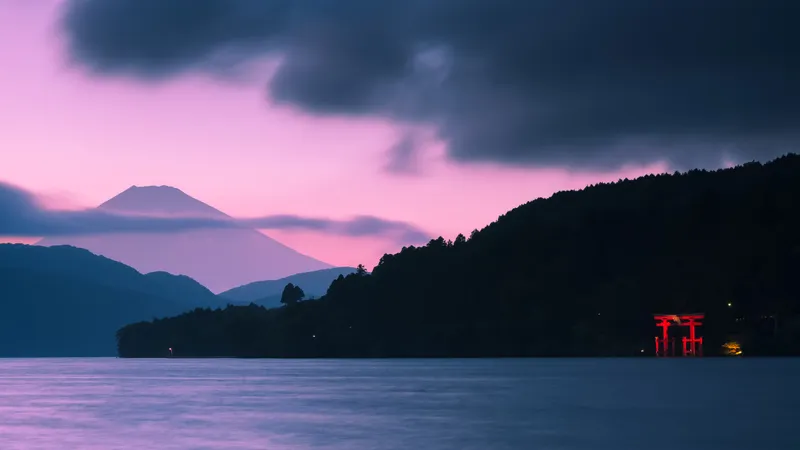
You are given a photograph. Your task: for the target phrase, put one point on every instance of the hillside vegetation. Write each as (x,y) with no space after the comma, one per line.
(579,273)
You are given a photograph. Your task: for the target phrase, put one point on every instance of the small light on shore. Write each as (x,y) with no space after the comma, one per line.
(729,305)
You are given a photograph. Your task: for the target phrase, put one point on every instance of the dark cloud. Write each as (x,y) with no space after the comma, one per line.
(404,155)
(581,82)
(21,216)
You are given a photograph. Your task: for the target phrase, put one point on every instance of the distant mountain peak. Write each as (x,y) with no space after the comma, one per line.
(159,200)
(153,188)
(220,259)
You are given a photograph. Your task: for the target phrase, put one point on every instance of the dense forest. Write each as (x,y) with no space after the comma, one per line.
(579,273)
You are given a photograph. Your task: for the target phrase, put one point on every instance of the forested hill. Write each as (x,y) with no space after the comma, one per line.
(579,273)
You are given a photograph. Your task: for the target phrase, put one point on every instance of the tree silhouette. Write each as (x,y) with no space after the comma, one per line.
(292,294)
(361,270)
(579,273)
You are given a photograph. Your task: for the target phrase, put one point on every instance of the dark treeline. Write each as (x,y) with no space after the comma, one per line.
(580,273)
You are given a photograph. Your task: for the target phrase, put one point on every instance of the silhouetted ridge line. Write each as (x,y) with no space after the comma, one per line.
(66,301)
(268,293)
(579,273)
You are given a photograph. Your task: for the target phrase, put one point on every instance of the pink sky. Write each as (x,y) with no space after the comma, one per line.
(80,140)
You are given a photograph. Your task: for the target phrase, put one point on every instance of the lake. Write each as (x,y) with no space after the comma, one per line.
(570,404)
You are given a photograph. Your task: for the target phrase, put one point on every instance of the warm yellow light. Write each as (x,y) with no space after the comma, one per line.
(729,305)
(732,348)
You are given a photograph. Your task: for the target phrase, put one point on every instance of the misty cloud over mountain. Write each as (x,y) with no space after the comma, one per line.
(21,215)
(587,83)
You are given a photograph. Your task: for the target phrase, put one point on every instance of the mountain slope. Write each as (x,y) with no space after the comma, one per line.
(181,286)
(314,284)
(219,259)
(78,263)
(66,301)
(47,315)
(579,273)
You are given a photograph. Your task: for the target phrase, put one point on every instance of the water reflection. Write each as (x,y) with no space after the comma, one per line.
(637,404)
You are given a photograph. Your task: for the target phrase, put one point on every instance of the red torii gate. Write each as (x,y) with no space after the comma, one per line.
(692,346)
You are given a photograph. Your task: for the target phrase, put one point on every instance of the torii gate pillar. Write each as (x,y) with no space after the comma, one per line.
(692,345)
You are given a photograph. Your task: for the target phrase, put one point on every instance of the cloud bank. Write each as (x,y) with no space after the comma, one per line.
(584,83)
(22,216)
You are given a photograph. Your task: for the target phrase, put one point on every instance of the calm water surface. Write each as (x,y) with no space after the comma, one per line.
(575,404)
